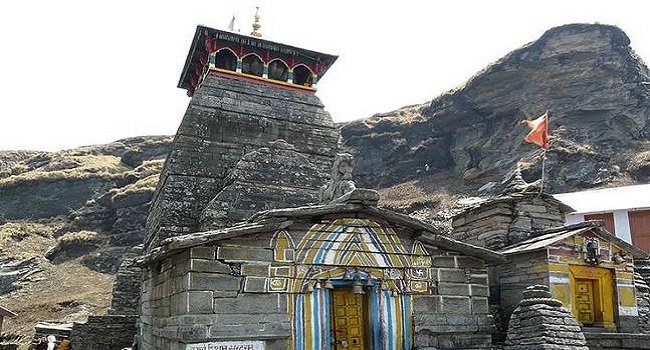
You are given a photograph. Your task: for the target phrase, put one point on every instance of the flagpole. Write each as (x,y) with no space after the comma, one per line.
(541,186)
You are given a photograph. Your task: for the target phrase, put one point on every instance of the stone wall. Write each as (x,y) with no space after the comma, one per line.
(227,118)
(266,178)
(247,287)
(456,315)
(511,279)
(126,289)
(617,341)
(109,332)
(193,297)
(641,279)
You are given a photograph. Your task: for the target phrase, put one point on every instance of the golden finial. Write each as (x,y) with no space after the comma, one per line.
(256,24)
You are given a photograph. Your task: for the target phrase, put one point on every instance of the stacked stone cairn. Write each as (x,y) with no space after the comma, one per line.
(541,322)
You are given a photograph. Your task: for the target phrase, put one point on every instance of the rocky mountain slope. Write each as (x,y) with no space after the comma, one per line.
(587,75)
(68,218)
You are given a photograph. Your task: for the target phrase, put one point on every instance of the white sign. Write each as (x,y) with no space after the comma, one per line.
(228,345)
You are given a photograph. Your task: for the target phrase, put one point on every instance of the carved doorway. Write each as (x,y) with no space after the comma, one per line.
(585,301)
(349,320)
(592,290)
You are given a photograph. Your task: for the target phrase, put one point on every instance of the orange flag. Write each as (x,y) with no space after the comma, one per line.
(539,131)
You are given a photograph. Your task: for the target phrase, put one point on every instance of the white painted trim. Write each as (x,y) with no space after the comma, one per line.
(628,310)
(622,225)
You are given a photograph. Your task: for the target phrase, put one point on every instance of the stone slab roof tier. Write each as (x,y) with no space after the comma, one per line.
(273,220)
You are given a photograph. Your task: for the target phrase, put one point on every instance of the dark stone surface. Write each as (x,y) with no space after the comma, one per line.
(126,289)
(268,178)
(617,341)
(225,120)
(110,332)
(587,75)
(541,322)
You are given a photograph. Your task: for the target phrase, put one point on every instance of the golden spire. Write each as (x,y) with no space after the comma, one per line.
(256,24)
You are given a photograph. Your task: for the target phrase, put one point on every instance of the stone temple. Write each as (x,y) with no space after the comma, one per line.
(259,239)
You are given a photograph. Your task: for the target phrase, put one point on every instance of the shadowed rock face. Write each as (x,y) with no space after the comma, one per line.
(598,92)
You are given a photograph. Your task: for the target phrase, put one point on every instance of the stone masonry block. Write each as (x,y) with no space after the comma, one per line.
(203,265)
(426,303)
(445,288)
(200,302)
(235,319)
(478,279)
(202,252)
(455,304)
(251,331)
(422,320)
(469,262)
(213,281)
(234,253)
(480,305)
(259,270)
(444,261)
(255,284)
(452,275)
(479,291)
(253,304)
(220,294)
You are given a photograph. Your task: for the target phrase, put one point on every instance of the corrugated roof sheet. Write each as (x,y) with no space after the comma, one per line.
(608,199)
(542,241)
(552,235)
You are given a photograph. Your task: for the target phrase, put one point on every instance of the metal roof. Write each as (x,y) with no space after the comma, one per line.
(547,237)
(607,199)
(541,242)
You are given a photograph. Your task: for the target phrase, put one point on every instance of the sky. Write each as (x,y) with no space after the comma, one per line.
(77,73)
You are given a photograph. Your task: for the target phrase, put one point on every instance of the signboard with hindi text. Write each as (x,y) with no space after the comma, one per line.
(228,345)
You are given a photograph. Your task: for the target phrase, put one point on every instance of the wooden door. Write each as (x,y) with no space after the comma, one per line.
(348,321)
(585,301)
(608,218)
(640,228)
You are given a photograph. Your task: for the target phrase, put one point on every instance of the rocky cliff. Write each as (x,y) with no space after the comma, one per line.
(99,194)
(587,75)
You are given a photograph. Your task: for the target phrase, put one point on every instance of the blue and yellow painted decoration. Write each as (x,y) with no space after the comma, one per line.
(342,251)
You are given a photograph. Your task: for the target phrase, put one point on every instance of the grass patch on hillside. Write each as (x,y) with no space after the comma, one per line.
(148,168)
(148,184)
(66,167)
(79,239)
(67,291)
(25,239)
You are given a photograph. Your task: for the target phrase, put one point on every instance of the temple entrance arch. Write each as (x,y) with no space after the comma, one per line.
(353,286)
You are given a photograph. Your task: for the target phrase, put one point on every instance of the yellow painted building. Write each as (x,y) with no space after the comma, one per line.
(588,269)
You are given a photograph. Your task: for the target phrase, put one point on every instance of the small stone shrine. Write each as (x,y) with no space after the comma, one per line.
(589,270)
(541,322)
